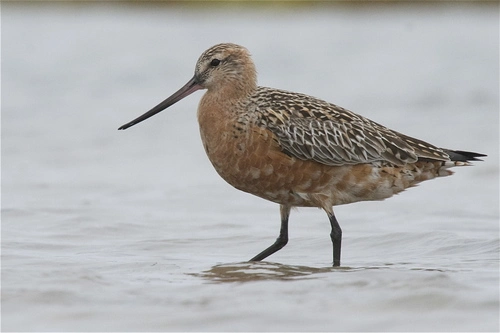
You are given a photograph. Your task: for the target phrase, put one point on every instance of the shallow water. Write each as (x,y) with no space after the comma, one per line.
(134,231)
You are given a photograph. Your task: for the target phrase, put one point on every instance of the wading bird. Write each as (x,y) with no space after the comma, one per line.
(297,150)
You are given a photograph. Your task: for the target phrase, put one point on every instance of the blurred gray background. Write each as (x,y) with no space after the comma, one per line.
(134,231)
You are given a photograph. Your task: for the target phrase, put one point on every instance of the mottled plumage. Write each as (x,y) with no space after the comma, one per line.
(297,150)
(312,129)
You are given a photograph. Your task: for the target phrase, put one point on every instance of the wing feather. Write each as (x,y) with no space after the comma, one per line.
(312,129)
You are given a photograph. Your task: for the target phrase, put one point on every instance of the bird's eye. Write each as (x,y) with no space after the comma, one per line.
(215,62)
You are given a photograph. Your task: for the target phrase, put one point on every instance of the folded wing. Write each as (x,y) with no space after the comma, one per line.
(312,129)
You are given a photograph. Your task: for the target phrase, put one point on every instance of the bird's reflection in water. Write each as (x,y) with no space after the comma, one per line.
(258,271)
(263,270)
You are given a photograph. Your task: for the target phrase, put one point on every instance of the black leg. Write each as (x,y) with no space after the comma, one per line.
(336,236)
(282,238)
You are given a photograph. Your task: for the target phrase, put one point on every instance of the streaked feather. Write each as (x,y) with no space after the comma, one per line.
(313,129)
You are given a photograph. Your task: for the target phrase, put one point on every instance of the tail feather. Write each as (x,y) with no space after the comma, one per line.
(463,156)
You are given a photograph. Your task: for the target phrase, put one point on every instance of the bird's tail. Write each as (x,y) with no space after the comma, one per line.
(463,156)
(457,158)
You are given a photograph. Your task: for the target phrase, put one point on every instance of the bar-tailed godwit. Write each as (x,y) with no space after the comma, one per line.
(297,150)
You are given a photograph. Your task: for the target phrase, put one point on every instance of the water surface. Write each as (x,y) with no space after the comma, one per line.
(134,231)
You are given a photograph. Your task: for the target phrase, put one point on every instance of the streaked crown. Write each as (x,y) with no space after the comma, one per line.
(226,65)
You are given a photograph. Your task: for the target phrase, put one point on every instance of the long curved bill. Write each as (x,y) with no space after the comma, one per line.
(187,90)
